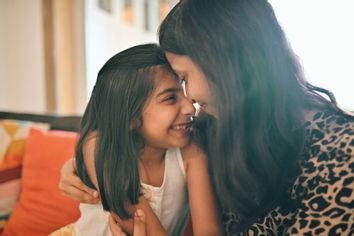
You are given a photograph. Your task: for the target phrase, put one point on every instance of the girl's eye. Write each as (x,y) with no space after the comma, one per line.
(170,99)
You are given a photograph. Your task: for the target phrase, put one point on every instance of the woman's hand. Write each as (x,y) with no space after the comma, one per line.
(139,225)
(72,186)
(144,222)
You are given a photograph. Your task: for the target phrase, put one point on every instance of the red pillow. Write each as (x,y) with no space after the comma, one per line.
(42,208)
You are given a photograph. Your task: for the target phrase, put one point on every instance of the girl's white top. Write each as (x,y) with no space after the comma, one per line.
(169,202)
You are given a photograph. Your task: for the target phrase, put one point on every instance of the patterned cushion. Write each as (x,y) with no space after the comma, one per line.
(13,138)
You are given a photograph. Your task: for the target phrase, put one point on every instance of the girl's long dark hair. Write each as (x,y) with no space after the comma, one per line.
(122,87)
(261,97)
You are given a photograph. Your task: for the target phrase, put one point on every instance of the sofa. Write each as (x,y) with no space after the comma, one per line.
(33,148)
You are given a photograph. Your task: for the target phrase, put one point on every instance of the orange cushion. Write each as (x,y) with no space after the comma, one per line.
(42,208)
(13,138)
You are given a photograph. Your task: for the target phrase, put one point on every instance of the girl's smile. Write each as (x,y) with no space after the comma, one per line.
(182,128)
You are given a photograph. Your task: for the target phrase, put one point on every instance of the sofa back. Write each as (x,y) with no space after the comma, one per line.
(56,122)
(30,161)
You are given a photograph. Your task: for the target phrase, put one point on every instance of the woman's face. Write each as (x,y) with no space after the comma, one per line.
(196,85)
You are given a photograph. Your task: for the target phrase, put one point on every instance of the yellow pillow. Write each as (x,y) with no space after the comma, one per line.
(13,137)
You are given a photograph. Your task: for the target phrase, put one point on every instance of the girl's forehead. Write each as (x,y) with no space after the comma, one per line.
(163,76)
(165,82)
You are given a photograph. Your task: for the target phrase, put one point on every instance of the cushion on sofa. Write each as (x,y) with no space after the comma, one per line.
(42,208)
(13,138)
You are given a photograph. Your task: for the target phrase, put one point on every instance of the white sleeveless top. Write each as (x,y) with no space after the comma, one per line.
(169,202)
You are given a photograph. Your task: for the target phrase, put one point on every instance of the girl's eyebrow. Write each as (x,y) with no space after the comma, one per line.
(168,90)
(177,70)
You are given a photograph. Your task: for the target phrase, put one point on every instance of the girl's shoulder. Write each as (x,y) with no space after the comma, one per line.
(192,153)
(192,150)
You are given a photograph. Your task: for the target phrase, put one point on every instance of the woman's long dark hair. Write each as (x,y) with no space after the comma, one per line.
(122,87)
(261,97)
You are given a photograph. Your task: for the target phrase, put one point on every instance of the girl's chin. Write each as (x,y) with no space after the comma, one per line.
(182,142)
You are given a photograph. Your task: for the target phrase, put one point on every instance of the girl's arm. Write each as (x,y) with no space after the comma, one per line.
(201,198)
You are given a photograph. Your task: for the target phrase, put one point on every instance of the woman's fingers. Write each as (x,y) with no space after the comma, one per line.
(139,223)
(72,186)
(115,228)
(76,189)
(79,195)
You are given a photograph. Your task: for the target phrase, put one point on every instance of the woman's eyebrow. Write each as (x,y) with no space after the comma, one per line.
(168,90)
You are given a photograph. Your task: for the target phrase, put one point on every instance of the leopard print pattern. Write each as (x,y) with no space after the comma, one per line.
(321,200)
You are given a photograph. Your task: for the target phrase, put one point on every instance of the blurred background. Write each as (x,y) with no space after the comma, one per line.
(51,50)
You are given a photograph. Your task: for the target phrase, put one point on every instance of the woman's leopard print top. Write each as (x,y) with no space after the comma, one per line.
(322,196)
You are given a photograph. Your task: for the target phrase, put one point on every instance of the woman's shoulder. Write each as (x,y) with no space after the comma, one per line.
(329,120)
(330,145)
(330,132)
(323,188)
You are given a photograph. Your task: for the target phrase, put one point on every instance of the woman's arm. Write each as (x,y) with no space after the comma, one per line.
(139,225)
(201,198)
(72,186)
(153,225)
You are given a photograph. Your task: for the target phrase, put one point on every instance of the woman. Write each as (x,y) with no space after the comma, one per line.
(281,158)
(280,154)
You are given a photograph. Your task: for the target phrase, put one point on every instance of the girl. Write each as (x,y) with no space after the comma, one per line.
(133,126)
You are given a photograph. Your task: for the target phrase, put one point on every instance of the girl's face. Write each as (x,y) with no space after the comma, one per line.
(197,88)
(167,113)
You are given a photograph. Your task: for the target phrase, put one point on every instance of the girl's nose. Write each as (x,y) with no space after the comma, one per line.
(188,107)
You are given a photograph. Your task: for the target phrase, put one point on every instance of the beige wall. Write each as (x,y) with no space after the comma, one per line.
(51,50)
(106,35)
(42,58)
(21,56)
(69,56)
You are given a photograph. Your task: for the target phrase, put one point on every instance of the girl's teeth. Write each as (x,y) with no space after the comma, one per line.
(178,127)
